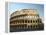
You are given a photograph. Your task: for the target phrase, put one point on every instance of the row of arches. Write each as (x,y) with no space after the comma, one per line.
(25,26)
(25,21)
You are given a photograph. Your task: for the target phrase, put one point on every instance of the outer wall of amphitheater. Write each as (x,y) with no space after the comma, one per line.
(25,20)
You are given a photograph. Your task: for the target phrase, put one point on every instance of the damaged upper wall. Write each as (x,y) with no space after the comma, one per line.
(25,11)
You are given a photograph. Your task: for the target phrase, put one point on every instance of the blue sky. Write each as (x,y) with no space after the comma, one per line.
(12,7)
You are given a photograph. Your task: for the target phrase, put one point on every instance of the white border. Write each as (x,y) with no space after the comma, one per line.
(22,2)
(2,17)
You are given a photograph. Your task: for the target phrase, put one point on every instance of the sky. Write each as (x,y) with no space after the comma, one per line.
(12,7)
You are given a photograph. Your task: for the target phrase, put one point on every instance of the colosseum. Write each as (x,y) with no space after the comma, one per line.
(25,20)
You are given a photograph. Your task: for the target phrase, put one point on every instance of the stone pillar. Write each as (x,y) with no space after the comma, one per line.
(35,23)
(27,23)
(24,25)
(32,24)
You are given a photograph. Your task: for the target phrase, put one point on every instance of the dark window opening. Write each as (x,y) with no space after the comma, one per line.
(36,21)
(28,21)
(31,21)
(25,21)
